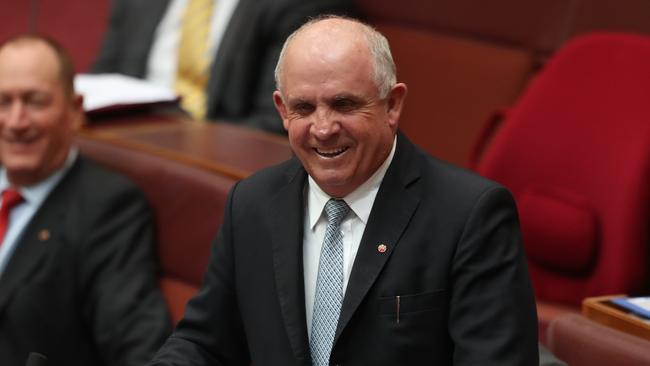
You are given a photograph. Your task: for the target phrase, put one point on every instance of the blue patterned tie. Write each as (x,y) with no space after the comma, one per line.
(329,285)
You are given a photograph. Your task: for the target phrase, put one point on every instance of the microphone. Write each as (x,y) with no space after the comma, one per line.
(36,359)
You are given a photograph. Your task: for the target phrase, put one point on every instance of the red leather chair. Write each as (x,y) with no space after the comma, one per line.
(456,76)
(583,342)
(575,152)
(78,24)
(188,204)
(15,18)
(607,15)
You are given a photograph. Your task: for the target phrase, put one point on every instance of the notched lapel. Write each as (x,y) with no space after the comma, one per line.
(35,245)
(237,32)
(395,204)
(31,252)
(285,220)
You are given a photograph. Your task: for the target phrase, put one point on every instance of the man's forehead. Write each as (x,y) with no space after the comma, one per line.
(29,53)
(327,37)
(28,61)
(326,55)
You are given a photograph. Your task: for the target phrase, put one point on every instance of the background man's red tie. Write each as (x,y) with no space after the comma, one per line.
(10,198)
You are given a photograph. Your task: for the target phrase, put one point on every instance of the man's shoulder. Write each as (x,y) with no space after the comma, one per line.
(444,181)
(272,178)
(90,179)
(459,176)
(439,172)
(89,170)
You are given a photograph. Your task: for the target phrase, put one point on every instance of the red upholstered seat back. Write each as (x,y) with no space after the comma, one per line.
(580,341)
(78,24)
(462,60)
(188,204)
(537,25)
(575,151)
(454,85)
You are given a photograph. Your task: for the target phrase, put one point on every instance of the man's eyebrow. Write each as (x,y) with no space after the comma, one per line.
(346,96)
(296,101)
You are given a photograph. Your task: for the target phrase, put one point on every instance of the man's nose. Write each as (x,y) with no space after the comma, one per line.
(324,124)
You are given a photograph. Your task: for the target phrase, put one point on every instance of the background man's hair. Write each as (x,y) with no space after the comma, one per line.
(66,66)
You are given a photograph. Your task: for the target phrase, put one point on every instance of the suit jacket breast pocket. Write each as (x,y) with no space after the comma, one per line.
(403,305)
(413,326)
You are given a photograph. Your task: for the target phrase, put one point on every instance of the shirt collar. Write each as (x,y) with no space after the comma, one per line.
(37,193)
(360,200)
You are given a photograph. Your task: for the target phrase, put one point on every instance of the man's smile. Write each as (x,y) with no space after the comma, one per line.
(331,153)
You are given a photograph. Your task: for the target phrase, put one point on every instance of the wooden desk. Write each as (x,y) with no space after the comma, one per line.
(600,310)
(223,148)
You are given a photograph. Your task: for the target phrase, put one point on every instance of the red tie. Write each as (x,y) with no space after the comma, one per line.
(10,198)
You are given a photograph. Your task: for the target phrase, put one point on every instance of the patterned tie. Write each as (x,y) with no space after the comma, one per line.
(329,285)
(193,59)
(10,199)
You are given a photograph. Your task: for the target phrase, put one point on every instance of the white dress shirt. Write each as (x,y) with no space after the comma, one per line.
(22,213)
(352,228)
(162,61)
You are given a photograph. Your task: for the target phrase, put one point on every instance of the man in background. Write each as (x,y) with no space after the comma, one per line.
(361,250)
(218,54)
(78,277)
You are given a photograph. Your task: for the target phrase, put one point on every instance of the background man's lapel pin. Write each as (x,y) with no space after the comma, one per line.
(43,234)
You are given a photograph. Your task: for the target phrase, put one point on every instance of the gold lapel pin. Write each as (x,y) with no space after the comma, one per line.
(43,235)
(382,248)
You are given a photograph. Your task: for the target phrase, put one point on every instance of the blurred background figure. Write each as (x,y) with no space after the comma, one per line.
(77,269)
(219,55)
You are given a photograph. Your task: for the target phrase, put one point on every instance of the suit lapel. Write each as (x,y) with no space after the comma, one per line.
(395,204)
(285,215)
(144,22)
(32,249)
(236,34)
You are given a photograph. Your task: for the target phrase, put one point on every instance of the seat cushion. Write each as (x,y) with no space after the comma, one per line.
(558,234)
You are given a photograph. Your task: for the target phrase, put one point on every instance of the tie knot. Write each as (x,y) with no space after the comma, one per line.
(336,210)
(10,198)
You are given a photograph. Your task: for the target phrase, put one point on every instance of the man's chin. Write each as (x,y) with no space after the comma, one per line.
(20,170)
(334,185)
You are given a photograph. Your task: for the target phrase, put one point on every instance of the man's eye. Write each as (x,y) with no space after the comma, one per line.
(344,105)
(37,100)
(303,109)
(5,101)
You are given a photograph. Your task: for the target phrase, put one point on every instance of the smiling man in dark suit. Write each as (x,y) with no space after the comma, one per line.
(245,39)
(362,250)
(77,267)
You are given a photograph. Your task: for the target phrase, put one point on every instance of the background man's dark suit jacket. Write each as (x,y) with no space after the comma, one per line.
(81,286)
(454,256)
(241,83)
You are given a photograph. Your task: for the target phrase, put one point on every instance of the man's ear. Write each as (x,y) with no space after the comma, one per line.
(78,115)
(395,102)
(281,107)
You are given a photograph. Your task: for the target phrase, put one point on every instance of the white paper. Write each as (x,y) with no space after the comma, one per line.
(107,90)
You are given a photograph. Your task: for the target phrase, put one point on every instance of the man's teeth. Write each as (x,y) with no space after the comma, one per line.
(331,153)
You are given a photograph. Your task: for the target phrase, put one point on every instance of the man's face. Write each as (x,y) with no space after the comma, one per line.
(37,116)
(338,126)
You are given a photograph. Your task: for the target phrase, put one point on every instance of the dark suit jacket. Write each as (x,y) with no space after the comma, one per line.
(81,286)
(454,256)
(241,83)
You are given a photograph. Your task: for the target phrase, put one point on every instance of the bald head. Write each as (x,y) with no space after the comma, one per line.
(50,48)
(333,36)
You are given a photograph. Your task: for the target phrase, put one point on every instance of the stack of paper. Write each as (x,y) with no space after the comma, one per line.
(115,91)
(637,305)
